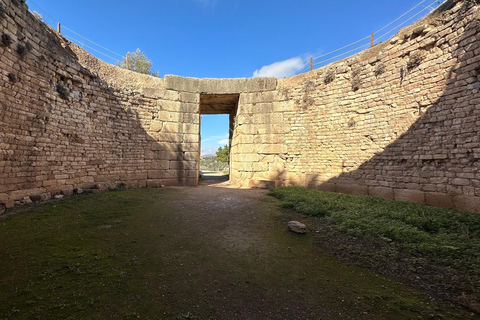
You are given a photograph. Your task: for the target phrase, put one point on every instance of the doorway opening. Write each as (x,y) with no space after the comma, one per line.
(217,122)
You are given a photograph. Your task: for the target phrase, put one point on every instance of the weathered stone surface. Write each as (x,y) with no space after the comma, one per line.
(443,200)
(262,184)
(409,195)
(389,119)
(382,192)
(297,227)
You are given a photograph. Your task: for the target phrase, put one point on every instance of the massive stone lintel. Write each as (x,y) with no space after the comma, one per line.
(219,86)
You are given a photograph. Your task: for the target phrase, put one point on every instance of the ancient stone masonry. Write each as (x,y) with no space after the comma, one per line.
(399,120)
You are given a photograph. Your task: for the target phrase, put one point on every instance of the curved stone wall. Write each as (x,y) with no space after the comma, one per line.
(399,120)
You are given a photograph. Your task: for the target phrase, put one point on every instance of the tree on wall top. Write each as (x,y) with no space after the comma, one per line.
(223,154)
(138,62)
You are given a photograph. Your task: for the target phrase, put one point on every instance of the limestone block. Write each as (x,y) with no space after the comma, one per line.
(466,203)
(160,165)
(351,189)
(381,192)
(155,93)
(442,200)
(409,195)
(168,116)
(261,84)
(178,83)
(327,186)
(190,97)
(156,126)
(155,174)
(262,184)
(222,86)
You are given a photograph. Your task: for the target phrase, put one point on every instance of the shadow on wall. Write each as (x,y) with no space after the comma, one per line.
(74,131)
(437,161)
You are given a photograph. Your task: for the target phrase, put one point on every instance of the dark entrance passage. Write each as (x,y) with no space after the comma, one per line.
(216,104)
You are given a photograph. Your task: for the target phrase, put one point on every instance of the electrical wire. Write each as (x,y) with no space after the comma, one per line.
(64,27)
(383,28)
(92,41)
(400,17)
(342,54)
(84,45)
(388,32)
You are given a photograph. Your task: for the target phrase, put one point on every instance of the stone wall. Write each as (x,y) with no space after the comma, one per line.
(70,121)
(399,121)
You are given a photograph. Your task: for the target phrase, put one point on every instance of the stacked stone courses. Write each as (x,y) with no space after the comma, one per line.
(398,121)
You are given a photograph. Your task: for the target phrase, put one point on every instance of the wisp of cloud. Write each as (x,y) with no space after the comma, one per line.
(281,69)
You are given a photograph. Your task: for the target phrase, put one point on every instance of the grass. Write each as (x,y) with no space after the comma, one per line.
(449,237)
(176,254)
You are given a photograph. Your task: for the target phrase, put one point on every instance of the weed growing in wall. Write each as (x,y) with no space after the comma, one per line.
(6,40)
(415,60)
(2,12)
(62,91)
(356,81)
(379,69)
(12,78)
(329,76)
(22,49)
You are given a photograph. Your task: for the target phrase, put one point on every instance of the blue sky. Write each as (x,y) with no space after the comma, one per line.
(227,38)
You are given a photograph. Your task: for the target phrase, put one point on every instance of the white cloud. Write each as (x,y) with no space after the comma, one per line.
(281,69)
(223,136)
(223,141)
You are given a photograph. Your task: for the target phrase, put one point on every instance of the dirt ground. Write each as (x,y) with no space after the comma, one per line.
(210,252)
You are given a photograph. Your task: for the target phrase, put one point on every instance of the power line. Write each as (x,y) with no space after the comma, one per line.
(388,32)
(44,12)
(84,45)
(64,27)
(92,41)
(342,54)
(383,28)
(400,17)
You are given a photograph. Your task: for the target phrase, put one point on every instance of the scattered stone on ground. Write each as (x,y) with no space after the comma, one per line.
(59,196)
(297,227)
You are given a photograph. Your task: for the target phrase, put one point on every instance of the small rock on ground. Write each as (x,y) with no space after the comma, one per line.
(297,227)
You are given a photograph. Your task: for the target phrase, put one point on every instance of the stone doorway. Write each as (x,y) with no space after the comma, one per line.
(214,104)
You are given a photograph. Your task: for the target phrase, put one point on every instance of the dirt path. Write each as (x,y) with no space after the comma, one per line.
(186,253)
(236,260)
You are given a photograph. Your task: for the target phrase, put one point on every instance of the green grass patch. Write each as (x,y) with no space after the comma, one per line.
(448,236)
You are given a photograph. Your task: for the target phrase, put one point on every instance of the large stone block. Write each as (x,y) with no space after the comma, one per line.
(351,189)
(261,84)
(262,184)
(222,86)
(181,83)
(442,200)
(381,192)
(409,195)
(466,203)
